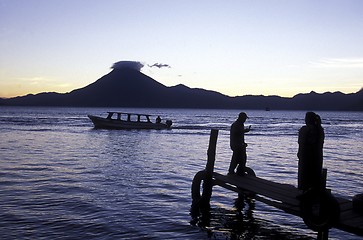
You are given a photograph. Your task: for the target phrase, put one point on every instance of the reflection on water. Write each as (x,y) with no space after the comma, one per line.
(61,179)
(232,223)
(239,222)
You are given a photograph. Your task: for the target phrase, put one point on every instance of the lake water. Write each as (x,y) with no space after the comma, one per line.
(62,179)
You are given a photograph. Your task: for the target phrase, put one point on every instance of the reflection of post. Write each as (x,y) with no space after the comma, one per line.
(207,184)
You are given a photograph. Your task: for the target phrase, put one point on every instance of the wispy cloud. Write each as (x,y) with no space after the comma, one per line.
(338,63)
(160,65)
(137,65)
(63,85)
(34,80)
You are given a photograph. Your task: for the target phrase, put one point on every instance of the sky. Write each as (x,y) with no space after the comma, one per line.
(236,47)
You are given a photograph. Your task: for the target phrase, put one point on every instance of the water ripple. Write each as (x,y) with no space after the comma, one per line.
(61,179)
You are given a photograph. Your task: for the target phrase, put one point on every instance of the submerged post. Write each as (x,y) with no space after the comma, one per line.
(208,183)
(202,201)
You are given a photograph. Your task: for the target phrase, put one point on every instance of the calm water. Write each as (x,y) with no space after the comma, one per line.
(62,179)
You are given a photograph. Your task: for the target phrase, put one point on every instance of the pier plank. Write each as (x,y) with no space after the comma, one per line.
(279,195)
(281,192)
(283,196)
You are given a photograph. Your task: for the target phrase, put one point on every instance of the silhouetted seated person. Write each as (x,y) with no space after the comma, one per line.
(238,145)
(310,153)
(158,119)
(109,116)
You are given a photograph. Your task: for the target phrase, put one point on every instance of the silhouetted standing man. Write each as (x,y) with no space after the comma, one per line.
(310,153)
(238,145)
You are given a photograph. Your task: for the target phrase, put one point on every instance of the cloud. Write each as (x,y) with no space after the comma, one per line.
(339,63)
(159,65)
(34,80)
(137,65)
(128,64)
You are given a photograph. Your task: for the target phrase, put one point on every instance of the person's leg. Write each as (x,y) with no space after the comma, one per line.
(242,162)
(234,162)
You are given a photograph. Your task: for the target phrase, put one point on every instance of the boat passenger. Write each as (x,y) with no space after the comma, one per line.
(158,119)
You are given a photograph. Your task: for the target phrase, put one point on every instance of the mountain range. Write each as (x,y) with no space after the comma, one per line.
(128,87)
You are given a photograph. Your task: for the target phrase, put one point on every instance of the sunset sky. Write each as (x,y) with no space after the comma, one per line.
(268,47)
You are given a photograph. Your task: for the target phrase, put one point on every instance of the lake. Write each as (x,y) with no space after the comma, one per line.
(62,179)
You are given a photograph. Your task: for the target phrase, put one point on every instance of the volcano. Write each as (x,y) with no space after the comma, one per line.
(131,88)
(128,87)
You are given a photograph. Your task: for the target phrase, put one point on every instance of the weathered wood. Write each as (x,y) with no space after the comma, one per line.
(284,197)
(211,153)
(281,192)
(208,181)
(350,221)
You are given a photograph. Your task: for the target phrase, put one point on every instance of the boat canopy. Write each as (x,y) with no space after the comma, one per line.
(129,116)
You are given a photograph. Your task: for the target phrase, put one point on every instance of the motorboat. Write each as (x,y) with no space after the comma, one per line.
(122,120)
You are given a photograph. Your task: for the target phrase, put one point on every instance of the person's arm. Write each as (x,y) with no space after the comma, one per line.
(248,129)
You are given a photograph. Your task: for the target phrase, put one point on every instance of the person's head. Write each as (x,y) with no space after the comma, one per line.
(317,120)
(242,116)
(310,118)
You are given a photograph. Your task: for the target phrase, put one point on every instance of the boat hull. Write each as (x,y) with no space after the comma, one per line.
(106,123)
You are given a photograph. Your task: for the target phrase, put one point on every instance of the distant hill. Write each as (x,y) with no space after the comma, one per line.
(128,87)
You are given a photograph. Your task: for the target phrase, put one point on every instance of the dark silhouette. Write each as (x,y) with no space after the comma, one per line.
(128,87)
(310,153)
(239,220)
(158,119)
(238,145)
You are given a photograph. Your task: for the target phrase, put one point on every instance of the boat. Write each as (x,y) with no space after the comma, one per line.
(129,121)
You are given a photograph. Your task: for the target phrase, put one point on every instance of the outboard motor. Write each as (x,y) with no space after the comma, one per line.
(168,123)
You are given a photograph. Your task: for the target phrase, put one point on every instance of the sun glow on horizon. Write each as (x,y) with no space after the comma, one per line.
(240,48)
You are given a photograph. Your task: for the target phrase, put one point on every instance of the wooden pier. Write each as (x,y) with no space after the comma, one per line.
(320,210)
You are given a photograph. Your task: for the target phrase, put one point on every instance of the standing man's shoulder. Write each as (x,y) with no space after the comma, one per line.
(234,125)
(303,129)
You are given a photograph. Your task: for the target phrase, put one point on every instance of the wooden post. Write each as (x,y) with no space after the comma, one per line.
(211,152)
(324,174)
(323,235)
(208,183)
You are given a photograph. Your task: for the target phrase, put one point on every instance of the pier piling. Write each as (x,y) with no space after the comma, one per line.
(332,211)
